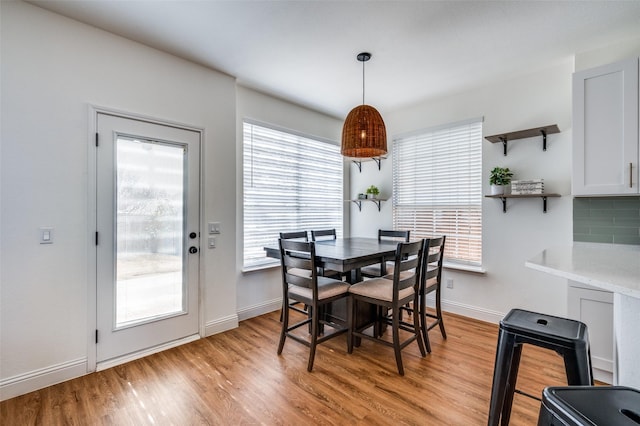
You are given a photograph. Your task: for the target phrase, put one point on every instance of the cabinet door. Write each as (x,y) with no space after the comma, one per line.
(594,307)
(605,130)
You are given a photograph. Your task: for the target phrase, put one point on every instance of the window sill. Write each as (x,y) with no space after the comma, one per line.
(464,268)
(259,268)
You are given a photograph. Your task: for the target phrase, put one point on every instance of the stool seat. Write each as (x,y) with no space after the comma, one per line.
(590,405)
(547,329)
(569,338)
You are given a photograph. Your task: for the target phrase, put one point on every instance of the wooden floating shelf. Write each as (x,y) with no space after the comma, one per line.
(524,134)
(504,197)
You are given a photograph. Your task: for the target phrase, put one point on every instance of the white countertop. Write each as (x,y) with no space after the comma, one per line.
(614,268)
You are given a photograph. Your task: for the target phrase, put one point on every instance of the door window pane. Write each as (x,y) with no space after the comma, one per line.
(150,231)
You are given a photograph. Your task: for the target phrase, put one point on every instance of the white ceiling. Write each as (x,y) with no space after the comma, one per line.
(305,51)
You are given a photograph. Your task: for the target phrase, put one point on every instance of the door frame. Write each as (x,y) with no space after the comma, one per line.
(92,249)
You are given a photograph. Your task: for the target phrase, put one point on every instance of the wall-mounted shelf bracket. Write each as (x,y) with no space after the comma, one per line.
(376,201)
(504,144)
(503,198)
(378,161)
(544,139)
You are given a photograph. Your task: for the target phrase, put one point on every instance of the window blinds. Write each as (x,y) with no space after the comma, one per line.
(437,187)
(291,183)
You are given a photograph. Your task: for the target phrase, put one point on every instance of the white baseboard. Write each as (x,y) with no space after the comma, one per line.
(221,324)
(141,354)
(260,309)
(470,311)
(42,378)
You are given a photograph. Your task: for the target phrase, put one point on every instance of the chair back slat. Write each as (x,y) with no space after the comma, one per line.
(299,281)
(297,260)
(387,234)
(295,235)
(323,234)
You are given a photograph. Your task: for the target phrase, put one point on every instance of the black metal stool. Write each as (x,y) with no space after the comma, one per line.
(567,337)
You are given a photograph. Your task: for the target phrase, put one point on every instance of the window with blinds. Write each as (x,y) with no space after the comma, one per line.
(291,183)
(437,187)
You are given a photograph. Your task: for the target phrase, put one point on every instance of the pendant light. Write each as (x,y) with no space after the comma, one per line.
(363,133)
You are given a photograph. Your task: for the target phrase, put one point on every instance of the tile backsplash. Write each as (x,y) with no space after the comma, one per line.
(613,220)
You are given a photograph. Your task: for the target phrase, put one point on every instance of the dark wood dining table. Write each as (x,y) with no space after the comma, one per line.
(347,255)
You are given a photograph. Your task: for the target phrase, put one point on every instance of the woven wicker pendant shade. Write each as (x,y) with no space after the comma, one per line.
(364,134)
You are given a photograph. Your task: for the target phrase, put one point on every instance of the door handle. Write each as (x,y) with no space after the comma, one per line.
(193,235)
(193,249)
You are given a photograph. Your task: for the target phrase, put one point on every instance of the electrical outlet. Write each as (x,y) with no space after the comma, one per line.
(449,282)
(46,235)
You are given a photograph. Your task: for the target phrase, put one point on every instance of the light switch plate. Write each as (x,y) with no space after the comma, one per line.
(212,242)
(214,227)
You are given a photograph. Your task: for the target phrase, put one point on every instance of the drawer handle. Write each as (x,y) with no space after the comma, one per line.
(630,175)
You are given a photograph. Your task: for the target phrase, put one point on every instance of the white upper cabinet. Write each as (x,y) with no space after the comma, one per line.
(605,130)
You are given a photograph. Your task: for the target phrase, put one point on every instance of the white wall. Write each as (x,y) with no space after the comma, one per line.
(523,102)
(53,68)
(261,291)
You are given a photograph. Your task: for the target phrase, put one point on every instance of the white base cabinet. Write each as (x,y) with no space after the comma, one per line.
(594,307)
(605,130)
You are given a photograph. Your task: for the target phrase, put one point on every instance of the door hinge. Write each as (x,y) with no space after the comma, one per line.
(96,237)
(96,138)
(96,336)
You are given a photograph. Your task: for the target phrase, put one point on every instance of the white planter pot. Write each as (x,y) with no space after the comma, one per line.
(497,189)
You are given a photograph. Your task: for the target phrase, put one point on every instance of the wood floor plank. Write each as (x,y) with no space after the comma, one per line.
(236,378)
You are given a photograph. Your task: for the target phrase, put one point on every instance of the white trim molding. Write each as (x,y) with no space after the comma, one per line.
(470,311)
(260,309)
(221,324)
(41,378)
(141,354)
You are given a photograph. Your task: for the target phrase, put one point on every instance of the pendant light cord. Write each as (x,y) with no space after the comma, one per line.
(363,82)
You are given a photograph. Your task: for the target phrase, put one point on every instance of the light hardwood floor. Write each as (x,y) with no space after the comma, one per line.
(236,378)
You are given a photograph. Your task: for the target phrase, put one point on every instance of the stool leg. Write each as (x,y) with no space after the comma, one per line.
(502,366)
(577,364)
(511,384)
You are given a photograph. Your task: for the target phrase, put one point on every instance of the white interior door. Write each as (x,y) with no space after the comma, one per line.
(147,235)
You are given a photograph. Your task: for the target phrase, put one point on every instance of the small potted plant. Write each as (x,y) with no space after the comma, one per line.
(372,192)
(499,178)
